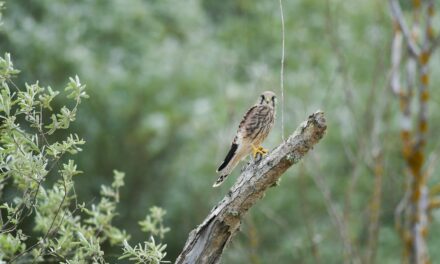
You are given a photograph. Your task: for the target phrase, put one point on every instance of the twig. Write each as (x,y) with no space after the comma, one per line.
(308,222)
(375,208)
(206,243)
(396,57)
(396,12)
(282,71)
(434,44)
(336,217)
(434,203)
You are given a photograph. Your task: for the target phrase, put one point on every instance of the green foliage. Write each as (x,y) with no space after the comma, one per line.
(153,222)
(150,253)
(62,230)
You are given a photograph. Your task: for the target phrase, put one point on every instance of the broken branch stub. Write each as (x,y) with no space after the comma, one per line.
(206,243)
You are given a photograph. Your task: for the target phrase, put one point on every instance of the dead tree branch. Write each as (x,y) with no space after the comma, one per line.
(396,12)
(412,213)
(206,243)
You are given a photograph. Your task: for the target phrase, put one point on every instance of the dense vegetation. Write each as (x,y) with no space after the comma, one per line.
(167,82)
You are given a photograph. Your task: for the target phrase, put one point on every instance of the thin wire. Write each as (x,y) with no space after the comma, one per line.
(282,71)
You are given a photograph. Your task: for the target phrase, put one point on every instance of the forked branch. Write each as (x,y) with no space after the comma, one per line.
(397,14)
(206,243)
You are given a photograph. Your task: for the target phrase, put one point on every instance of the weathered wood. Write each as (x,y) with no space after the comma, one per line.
(206,243)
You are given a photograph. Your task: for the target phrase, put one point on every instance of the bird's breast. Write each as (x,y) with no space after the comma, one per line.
(260,124)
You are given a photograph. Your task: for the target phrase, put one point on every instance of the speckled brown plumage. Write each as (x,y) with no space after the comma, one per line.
(252,131)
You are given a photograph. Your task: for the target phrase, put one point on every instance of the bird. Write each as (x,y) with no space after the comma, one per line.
(252,131)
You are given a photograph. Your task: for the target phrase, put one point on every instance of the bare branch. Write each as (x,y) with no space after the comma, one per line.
(206,243)
(396,58)
(396,12)
(337,219)
(434,44)
(434,203)
(375,208)
(282,69)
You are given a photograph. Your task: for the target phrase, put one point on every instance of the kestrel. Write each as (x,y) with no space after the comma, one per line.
(252,131)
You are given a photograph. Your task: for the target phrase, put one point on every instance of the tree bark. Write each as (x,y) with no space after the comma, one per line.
(206,243)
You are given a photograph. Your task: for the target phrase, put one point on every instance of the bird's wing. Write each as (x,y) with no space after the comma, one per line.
(238,139)
(248,121)
(231,153)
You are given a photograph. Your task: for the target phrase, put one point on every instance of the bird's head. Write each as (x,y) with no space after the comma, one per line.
(267,98)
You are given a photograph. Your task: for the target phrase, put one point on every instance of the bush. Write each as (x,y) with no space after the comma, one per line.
(39,173)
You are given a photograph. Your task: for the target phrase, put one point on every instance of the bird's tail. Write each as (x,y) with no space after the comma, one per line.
(228,164)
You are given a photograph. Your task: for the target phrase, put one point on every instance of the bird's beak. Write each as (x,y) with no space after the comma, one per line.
(267,101)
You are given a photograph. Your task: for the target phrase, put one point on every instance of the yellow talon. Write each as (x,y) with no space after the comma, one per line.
(260,150)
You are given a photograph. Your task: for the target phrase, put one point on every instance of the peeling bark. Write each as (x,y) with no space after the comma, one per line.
(206,243)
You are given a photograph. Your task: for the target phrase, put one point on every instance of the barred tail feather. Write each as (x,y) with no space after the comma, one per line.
(220,180)
(229,157)
(226,168)
(223,175)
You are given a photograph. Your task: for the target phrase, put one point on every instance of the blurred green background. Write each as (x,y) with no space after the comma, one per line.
(169,81)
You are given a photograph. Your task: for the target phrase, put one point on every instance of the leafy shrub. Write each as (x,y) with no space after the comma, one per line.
(30,159)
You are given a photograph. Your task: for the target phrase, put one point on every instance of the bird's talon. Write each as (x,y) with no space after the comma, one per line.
(263,150)
(259,151)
